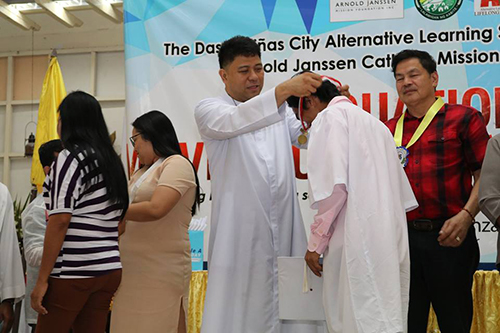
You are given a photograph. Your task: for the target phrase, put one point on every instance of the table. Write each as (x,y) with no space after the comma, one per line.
(486,292)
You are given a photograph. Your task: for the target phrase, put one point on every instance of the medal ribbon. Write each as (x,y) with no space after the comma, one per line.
(431,113)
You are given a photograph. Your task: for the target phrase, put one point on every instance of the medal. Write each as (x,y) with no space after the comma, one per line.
(302,139)
(403,152)
(403,155)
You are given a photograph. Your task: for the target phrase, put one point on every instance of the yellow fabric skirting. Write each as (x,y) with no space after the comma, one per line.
(486,293)
(196,300)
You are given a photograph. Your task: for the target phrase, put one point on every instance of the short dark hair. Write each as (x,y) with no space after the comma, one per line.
(48,150)
(426,60)
(325,93)
(237,46)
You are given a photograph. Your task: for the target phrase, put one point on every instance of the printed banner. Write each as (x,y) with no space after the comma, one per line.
(171,60)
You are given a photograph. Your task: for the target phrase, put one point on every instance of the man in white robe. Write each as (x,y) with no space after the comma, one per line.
(255,212)
(11,269)
(362,194)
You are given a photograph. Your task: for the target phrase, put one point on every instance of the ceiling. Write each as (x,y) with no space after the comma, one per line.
(17,16)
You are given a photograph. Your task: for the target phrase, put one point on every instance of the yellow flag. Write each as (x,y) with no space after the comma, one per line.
(53,92)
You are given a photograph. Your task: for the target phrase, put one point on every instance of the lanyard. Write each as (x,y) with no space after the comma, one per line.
(431,113)
(141,179)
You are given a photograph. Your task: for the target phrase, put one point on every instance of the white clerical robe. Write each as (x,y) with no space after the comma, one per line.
(366,268)
(11,267)
(255,212)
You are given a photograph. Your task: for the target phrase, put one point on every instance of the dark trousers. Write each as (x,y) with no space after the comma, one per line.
(78,304)
(442,276)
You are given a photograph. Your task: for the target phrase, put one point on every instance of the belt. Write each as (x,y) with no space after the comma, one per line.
(426,224)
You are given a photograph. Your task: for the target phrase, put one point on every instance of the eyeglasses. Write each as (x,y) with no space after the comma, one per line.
(132,139)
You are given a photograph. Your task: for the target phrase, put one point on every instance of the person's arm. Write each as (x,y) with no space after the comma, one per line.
(161,203)
(34,225)
(122,226)
(322,228)
(474,141)
(60,205)
(489,190)
(455,229)
(54,238)
(301,86)
(176,178)
(218,120)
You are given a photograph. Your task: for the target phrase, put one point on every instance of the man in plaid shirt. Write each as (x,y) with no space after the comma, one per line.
(442,147)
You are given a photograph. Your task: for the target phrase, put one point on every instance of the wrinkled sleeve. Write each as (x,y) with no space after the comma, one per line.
(178,174)
(62,185)
(34,225)
(489,187)
(218,120)
(327,157)
(322,228)
(475,141)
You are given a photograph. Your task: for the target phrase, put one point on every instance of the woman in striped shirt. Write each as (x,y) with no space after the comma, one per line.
(86,196)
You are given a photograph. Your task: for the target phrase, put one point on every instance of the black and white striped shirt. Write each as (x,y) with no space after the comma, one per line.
(90,246)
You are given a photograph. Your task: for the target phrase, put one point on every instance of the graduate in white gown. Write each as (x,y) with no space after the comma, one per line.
(362,194)
(255,213)
(11,268)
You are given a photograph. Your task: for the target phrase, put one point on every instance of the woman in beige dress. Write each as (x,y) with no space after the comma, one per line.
(154,246)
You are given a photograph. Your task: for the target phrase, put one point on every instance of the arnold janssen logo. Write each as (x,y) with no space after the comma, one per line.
(361,10)
(486,7)
(438,9)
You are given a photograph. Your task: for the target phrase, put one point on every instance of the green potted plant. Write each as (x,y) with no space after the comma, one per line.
(19,207)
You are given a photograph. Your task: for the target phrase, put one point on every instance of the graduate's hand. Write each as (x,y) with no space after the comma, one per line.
(454,230)
(37,297)
(6,315)
(344,90)
(312,260)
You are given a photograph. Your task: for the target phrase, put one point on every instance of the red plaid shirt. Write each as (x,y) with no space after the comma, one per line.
(441,162)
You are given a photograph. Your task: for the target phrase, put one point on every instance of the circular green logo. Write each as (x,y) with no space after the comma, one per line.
(438,9)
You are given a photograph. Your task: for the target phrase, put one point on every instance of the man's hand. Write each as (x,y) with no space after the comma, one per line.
(301,86)
(454,230)
(344,90)
(304,84)
(312,260)
(37,297)
(6,315)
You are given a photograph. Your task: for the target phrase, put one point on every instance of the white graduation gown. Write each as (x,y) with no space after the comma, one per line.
(255,212)
(11,267)
(367,266)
